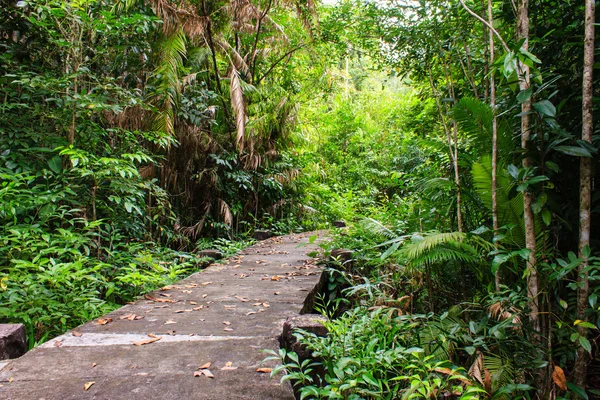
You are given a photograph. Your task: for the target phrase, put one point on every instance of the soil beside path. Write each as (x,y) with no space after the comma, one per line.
(224,315)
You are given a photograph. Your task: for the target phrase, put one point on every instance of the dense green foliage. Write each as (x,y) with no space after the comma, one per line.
(133,133)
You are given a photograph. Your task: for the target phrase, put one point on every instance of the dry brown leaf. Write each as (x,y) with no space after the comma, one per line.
(276,293)
(226,323)
(197,373)
(205,283)
(198,308)
(169,322)
(266,305)
(558,376)
(251,312)
(207,373)
(77,334)
(58,343)
(242,299)
(204,296)
(193,303)
(104,321)
(264,370)
(138,317)
(205,366)
(476,369)
(487,384)
(165,294)
(227,329)
(147,341)
(88,385)
(236,266)
(93,365)
(153,338)
(179,311)
(127,316)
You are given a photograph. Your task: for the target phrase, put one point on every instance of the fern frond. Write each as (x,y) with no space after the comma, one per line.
(377,228)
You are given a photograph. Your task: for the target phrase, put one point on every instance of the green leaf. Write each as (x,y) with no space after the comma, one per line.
(564,304)
(545,107)
(585,324)
(546,217)
(530,56)
(577,390)
(593,299)
(55,164)
(585,344)
(368,378)
(574,151)
(524,95)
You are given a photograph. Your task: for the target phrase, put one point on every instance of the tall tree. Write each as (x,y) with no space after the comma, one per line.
(585,183)
(526,129)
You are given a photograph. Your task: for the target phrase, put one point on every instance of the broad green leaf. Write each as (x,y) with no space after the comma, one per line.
(545,107)
(574,151)
(55,164)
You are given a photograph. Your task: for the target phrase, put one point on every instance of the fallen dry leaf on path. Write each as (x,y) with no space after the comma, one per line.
(88,385)
(205,366)
(264,370)
(77,334)
(251,312)
(228,329)
(94,364)
(226,323)
(205,283)
(228,366)
(193,303)
(104,321)
(58,343)
(169,322)
(207,373)
(153,338)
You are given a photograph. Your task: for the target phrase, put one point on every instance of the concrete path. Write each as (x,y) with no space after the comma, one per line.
(153,349)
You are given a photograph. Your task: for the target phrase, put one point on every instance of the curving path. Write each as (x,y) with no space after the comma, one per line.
(160,346)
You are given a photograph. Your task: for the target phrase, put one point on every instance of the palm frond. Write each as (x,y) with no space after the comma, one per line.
(377,228)
(239,107)
(166,96)
(510,210)
(474,117)
(435,247)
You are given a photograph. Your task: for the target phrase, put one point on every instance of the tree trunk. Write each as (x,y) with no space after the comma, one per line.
(585,190)
(494,137)
(530,239)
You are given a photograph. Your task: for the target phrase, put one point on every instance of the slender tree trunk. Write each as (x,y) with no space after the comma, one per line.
(530,239)
(452,149)
(492,83)
(585,190)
